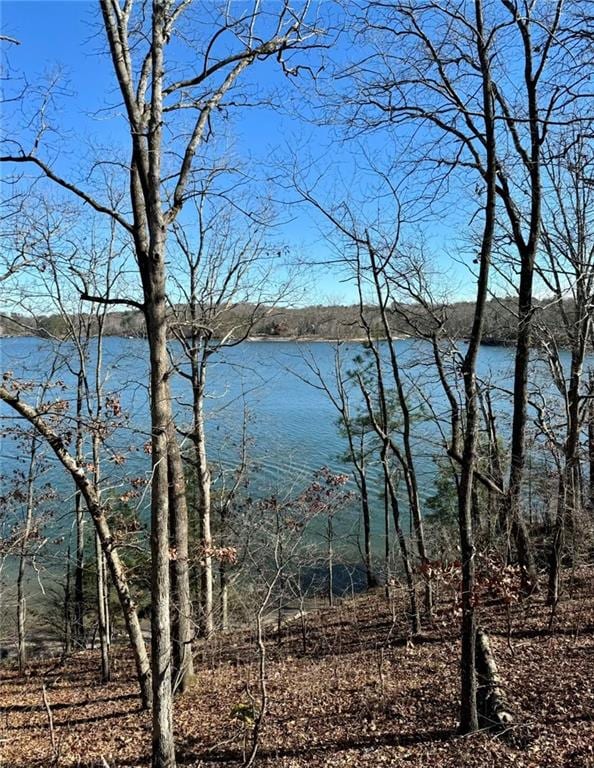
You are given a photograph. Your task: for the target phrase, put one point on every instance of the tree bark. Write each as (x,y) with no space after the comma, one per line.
(97,513)
(414,619)
(183,664)
(494,708)
(527,248)
(154,283)
(381,427)
(468,700)
(163,742)
(67,608)
(102,611)
(407,461)
(330,561)
(366,515)
(21,598)
(591,439)
(203,481)
(79,597)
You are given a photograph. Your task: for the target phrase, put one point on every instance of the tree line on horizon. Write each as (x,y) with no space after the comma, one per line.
(327,322)
(485,116)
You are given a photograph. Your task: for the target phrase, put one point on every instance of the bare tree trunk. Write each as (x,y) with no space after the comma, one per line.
(517,523)
(147,193)
(97,512)
(414,619)
(381,427)
(21,598)
(119,580)
(280,561)
(569,499)
(79,597)
(527,248)
(495,513)
(386,534)
(101,611)
(407,461)
(359,465)
(365,512)
(260,714)
(204,504)
(224,597)
(67,608)
(591,439)
(163,741)
(493,706)
(330,558)
(468,701)
(557,543)
(223,575)
(356,437)
(101,585)
(183,666)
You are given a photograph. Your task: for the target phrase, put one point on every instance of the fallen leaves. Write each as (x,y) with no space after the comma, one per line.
(356,695)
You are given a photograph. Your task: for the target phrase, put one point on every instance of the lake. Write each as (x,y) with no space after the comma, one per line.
(291,425)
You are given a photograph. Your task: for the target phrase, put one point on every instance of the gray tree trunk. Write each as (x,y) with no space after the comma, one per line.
(21,597)
(79,597)
(102,611)
(468,698)
(183,664)
(97,513)
(203,482)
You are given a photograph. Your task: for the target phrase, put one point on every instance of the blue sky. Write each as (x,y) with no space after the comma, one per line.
(65,39)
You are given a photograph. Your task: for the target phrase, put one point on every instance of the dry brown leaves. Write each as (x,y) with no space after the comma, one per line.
(357,695)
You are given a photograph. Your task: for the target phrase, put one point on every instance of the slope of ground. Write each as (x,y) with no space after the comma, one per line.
(345,689)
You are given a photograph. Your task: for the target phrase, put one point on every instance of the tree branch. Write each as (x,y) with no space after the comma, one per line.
(97,206)
(102,300)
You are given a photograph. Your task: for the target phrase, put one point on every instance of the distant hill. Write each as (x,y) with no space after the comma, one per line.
(318,322)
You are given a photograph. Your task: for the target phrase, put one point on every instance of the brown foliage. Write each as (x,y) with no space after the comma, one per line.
(359,695)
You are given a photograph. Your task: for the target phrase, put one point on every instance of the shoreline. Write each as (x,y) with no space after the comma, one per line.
(486,342)
(272,339)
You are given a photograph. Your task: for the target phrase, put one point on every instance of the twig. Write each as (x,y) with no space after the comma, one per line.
(50,718)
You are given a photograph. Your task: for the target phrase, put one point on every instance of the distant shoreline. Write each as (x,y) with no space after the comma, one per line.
(273,339)
(316,323)
(486,342)
(308,339)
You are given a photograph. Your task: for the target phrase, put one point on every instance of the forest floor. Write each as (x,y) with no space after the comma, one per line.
(351,691)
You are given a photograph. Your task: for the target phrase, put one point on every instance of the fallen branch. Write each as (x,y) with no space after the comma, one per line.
(50,719)
(494,709)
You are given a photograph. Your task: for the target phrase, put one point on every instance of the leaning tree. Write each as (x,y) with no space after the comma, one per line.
(174,77)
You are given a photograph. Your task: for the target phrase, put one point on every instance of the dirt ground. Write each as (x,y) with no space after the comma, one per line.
(346,688)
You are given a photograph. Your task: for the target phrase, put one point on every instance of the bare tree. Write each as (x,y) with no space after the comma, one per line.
(157,99)
(11,395)
(338,389)
(226,264)
(425,69)
(21,600)
(567,270)
(371,254)
(27,539)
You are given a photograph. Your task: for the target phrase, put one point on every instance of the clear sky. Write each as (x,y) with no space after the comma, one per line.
(65,40)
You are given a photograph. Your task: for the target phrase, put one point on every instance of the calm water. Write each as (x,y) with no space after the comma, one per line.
(291,425)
